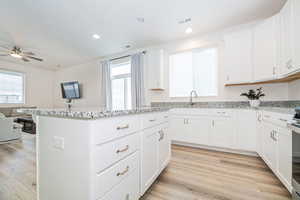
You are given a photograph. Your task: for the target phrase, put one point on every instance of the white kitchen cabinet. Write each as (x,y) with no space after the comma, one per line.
(164,147)
(287,62)
(259,133)
(223,132)
(178,128)
(191,129)
(149,156)
(238,56)
(284,153)
(269,146)
(265,51)
(155,69)
(246,137)
(296,32)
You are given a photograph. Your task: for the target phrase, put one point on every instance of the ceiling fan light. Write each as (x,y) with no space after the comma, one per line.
(15,55)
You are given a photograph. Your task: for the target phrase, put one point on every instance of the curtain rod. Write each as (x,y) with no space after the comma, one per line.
(144,52)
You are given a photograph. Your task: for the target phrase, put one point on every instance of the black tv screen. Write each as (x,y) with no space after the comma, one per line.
(70,90)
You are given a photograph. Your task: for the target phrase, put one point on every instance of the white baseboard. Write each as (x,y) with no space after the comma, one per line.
(227,150)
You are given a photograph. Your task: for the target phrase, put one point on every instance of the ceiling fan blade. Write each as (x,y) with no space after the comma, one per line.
(34,58)
(4,54)
(29,53)
(25,59)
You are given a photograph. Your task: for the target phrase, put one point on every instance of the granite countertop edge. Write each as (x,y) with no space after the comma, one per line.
(93,115)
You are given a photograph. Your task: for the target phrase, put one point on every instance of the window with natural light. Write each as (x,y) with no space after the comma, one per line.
(121,85)
(11,87)
(193,70)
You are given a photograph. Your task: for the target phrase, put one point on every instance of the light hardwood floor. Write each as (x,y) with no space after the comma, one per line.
(193,174)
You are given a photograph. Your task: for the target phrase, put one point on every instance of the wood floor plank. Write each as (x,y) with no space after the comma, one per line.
(193,174)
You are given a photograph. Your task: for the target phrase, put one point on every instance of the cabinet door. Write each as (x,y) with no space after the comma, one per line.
(269,146)
(223,133)
(198,130)
(238,56)
(284,137)
(164,147)
(259,134)
(296,33)
(265,49)
(246,137)
(149,157)
(155,66)
(286,39)
(178,128)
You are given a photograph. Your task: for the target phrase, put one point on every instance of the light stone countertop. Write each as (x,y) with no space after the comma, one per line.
(98,113)
(88,113)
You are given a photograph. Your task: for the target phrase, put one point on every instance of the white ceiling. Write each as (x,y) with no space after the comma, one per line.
(61,31)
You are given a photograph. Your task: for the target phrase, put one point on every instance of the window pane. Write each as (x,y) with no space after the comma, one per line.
(181,72)
(11,87)
(120,69)
(118,101)
(194,70)
(205,72)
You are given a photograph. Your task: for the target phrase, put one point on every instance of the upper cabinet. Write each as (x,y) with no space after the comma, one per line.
(287,50)
(275,53)
(238,56)
(155,69)
(265,51)
(296,30)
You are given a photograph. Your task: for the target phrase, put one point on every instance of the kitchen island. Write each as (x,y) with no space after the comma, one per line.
(99,155)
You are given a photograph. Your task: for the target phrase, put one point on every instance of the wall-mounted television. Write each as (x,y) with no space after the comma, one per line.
(70,90)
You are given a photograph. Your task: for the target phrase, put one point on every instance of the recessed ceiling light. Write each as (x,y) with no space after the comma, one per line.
(188,30)
(96,36)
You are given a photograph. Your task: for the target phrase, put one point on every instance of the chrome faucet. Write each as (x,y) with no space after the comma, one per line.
(191,96)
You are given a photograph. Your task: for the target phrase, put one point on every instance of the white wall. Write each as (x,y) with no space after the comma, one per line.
(89,76)
(38,85)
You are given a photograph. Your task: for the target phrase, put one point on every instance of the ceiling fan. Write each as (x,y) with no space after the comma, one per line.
(16,52)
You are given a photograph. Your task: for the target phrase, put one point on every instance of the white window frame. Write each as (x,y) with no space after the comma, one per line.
(23,75)
(124,77)
(198,49)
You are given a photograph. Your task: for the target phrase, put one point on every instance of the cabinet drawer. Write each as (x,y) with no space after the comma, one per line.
(277,118)
(109,153)
(108,129)
(223,112)
(128,189)
(153,119)
(106,180)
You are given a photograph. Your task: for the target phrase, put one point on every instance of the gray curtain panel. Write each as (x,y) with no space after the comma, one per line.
(137,80)
(106,85)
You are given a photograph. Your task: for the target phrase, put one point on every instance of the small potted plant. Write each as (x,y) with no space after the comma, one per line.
(254,96)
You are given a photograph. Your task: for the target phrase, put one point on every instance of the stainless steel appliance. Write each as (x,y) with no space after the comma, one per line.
(296,156)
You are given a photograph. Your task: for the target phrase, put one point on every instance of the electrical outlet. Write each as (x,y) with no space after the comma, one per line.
(58,142)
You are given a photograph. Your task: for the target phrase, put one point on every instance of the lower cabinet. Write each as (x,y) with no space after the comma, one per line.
(164,147)
(222,133)
(277,151)
(284,154)
(155,154)
(128,189)
(269,145)
(246,130)
(195,130)
(203,130)
(149,157)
